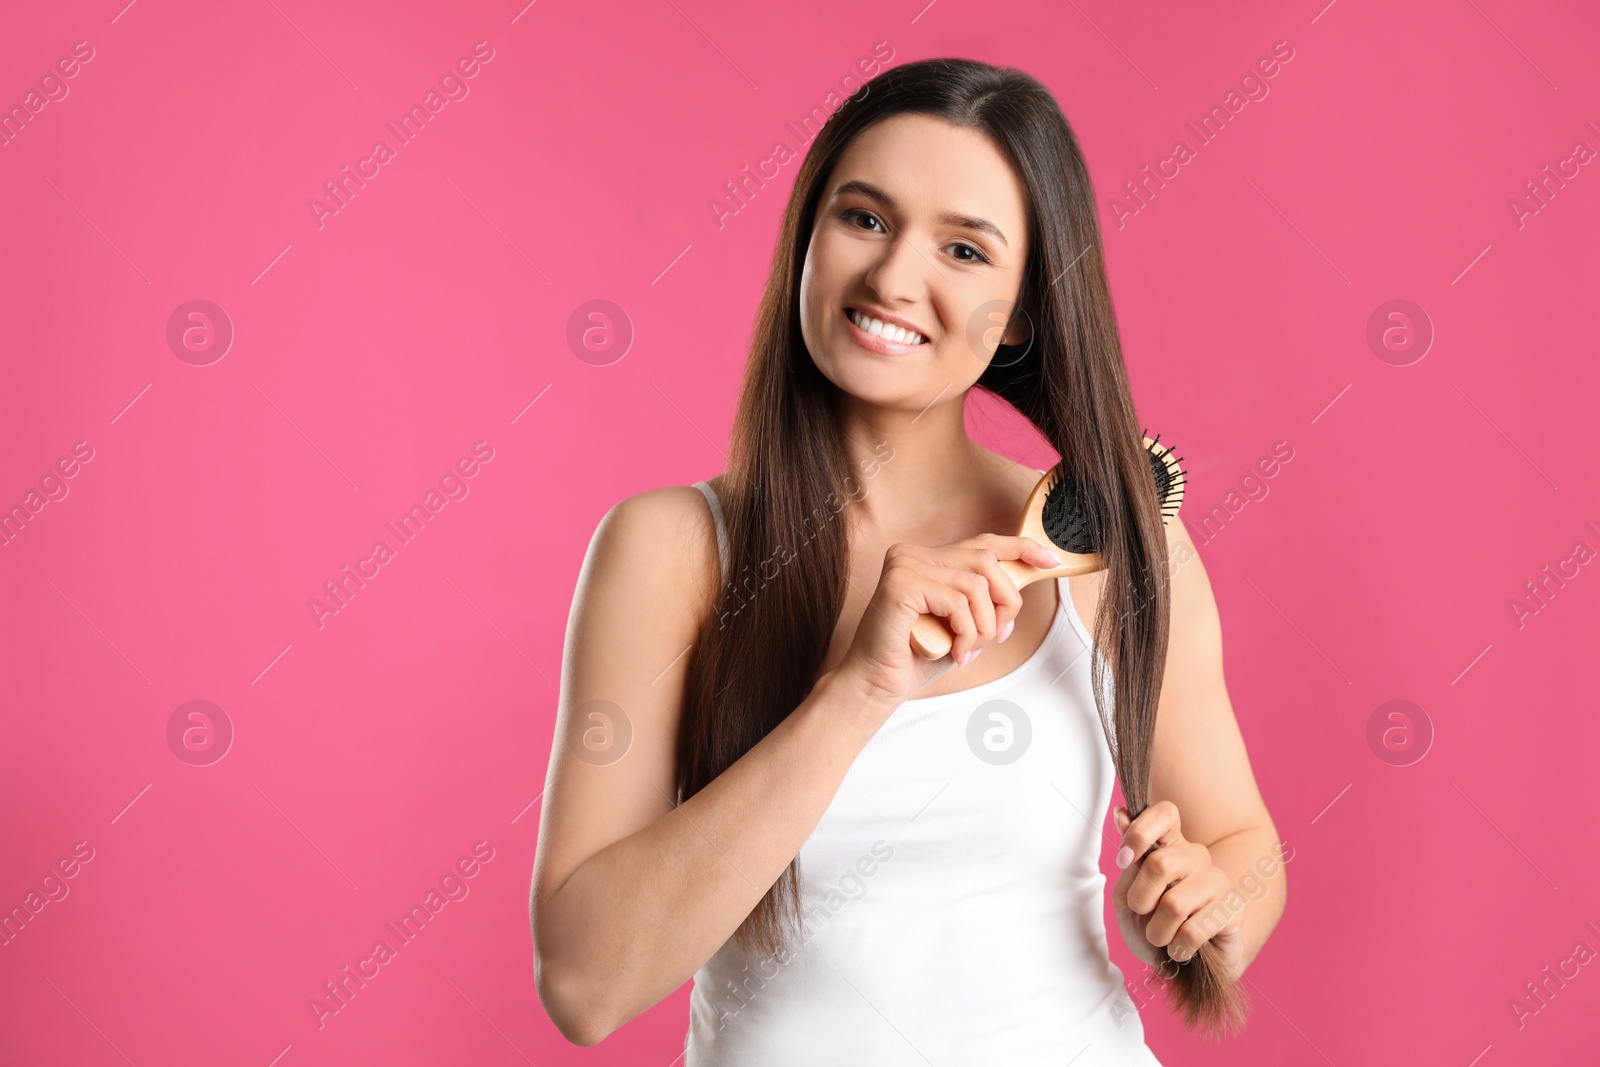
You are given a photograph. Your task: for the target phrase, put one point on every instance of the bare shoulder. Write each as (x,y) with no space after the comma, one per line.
(658,547)
(648,580)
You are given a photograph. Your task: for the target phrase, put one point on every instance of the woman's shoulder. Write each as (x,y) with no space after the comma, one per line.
(672,518)
(664,538)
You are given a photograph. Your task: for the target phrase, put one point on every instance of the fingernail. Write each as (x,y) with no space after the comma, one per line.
(1053,554)
(965,658)
(1006,632)
(1124,856)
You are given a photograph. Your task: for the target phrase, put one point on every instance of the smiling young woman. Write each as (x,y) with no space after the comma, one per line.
(859,855)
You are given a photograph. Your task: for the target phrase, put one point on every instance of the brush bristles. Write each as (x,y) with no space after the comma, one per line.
(1065,514)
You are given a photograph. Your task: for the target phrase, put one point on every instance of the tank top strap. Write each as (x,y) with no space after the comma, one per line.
(722,527)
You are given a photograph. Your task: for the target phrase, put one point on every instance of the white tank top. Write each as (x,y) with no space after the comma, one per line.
(951,893)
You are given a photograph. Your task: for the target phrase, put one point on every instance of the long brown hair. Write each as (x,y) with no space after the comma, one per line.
(789,472)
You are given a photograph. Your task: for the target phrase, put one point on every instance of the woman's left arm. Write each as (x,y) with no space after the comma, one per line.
(1219,873)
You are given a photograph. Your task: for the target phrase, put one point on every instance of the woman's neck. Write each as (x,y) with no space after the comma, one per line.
(922,477)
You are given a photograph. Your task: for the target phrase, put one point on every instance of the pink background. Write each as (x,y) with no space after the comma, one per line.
(370,354)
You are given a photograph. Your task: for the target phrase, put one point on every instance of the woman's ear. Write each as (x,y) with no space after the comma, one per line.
(1018,333)
(1016,341)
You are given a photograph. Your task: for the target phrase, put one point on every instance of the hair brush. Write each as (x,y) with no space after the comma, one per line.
(1057,516)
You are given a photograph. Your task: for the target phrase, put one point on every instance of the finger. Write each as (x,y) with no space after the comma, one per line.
(975,588)
(982,554)
(1027,549)
(1155,825)
(1161,869)
(1183,899)
(1205,923)
(932,596)
(903,550)
(1119,892)
(1041,554)
(1003,591)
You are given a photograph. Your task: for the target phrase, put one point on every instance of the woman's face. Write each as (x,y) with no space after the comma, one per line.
(922,225)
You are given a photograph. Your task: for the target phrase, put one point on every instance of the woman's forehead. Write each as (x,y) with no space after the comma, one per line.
(929,166)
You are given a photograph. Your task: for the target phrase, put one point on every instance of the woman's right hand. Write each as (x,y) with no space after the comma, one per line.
(963,583)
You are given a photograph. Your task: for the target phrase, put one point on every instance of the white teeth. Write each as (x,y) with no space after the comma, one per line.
(877,328)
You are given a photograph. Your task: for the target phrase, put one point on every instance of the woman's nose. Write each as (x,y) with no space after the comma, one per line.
(901,272)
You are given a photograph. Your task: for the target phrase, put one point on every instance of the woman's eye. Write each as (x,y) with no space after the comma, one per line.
(855,213)
(976,257)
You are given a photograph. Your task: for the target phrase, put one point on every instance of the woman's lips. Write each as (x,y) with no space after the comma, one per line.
(881,345)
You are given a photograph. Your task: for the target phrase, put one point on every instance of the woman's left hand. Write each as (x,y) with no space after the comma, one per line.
(1170,899)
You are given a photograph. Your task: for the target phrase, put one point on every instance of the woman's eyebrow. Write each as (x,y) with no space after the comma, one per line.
(971,222)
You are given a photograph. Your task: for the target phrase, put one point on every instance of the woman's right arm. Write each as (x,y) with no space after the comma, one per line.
(631,894)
